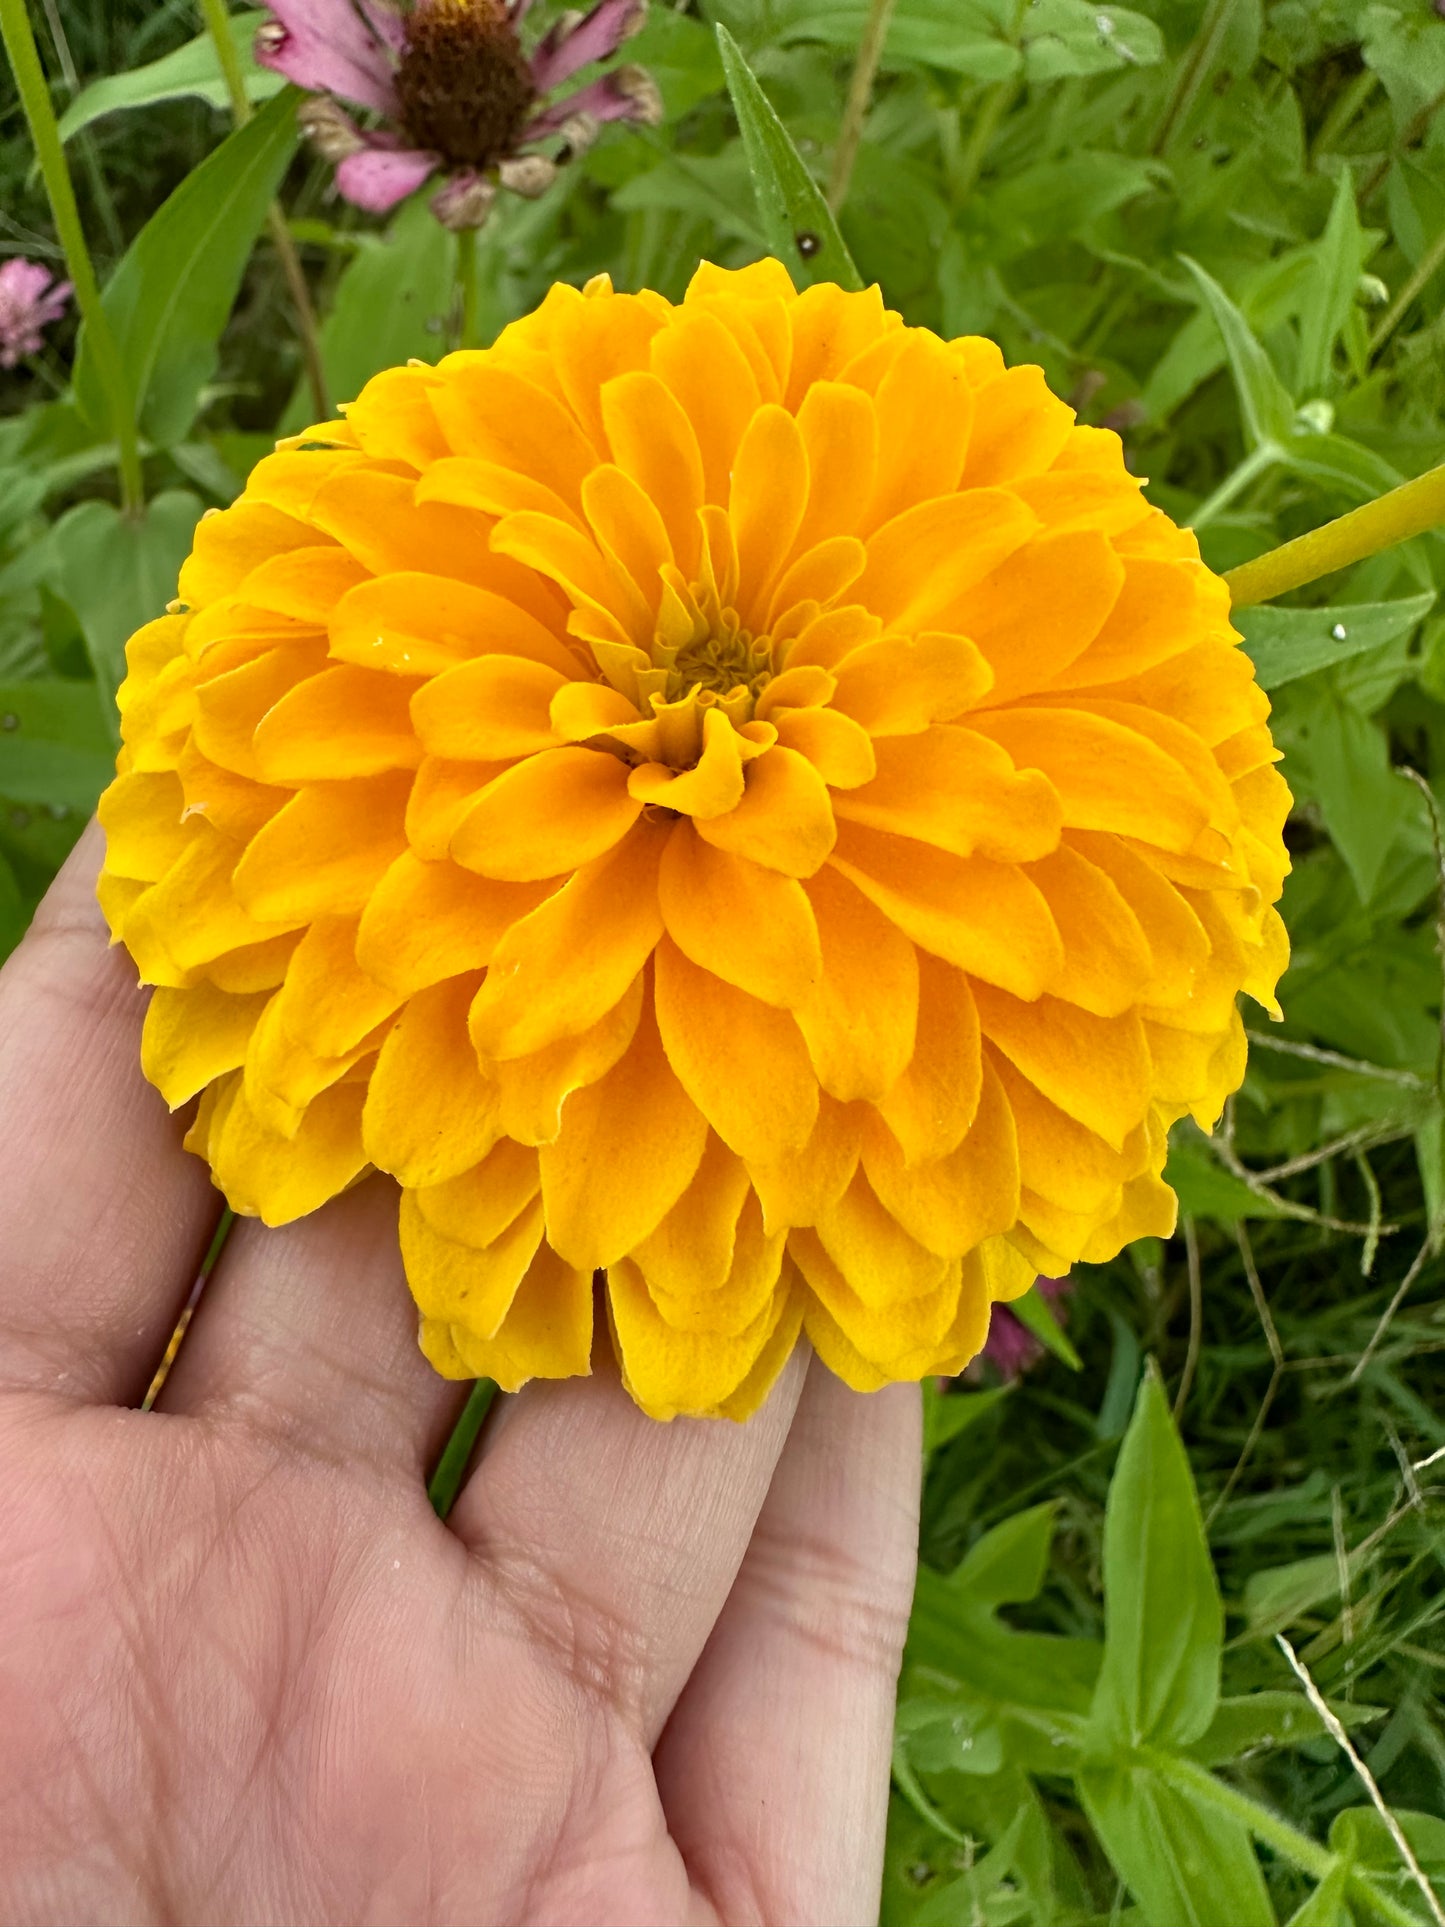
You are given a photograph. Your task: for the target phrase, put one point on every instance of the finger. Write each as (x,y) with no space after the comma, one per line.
(774,1769)
(620,1537)
(308,1334)
(104,1219)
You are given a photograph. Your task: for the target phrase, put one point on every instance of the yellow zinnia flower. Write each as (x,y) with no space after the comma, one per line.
(746,796)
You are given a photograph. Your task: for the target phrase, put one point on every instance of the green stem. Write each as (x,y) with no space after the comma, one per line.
(1256,463)
(1400,306)
(860,93)
(446,1481)
(1190,77)
(1347,106)
(999,99)
(218,25)
(1409,510)
(1207,1790)
(34,92)
(466,333)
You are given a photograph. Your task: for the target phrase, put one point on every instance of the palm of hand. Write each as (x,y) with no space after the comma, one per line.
(642,1675)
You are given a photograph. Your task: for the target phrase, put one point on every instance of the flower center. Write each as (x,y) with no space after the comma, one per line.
(727,657)
(465,85)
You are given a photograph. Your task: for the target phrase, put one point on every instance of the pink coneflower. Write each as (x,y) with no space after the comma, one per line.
(460,96)
(30,299)
(1011,1347)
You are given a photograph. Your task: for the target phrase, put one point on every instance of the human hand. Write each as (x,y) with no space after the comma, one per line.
(644,1674)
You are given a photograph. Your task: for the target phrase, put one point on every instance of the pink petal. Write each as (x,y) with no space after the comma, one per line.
(326,47)
(380,177)
(562,53)
(627,94)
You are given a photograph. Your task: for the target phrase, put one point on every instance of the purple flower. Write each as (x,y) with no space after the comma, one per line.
(30,299)
(1011,1347)
(456,93)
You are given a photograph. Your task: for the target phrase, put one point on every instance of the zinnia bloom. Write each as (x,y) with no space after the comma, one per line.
(30,299)
(457,93)
(746,796)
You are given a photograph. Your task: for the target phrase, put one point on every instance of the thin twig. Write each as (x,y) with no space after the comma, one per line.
(1342,1566)
(1401,1291)
(1405,299)
(1316,1054)
(1333,1727)
(1276,1352)
(860,94)
(1286,1207)
(1372,1191)
(1196,1317)
(1365,1138)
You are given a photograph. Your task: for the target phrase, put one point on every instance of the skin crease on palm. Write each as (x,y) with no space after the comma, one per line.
(643,1675)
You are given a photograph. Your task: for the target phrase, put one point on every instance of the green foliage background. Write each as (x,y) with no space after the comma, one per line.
(1220,228)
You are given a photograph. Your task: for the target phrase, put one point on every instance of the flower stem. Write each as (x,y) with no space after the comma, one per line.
(1190,78)
(1257,462)
(1206,1789)
(1409,510)
(466,326)
(1403,301)
(217,20)
(34,93)
(446,1481)
(860,93)
(997,101)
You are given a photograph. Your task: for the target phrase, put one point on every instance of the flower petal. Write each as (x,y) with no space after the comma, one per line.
(547,816)
(378,178)
(561,968)
(547,1333)
(432,1111)
(951,1203)
(746,924)
(957,790)
(985,917)
(783,819)
(425,921)
(667,1371)
(934,1102)
(1096,1069)
(859,1024)
(604,1189)
(742,1062)
(326,851)
(488,710)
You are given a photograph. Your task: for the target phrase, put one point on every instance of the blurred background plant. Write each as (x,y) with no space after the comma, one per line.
(1219,226)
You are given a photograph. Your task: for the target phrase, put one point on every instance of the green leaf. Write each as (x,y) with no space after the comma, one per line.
(1339,261)
(171,297)
(1326,1905)
(1068,37)
(1205,1189)
(55,749)
(790,203)
(1285,644)
(1365,803)
(946,1415)
(1186,1865)
(391,305)
(1163,1620)
(192,71)
(1255,1721)
(1036,1315)
(1007,1565)
(1264,402)
(1362,1838)
(118,571)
